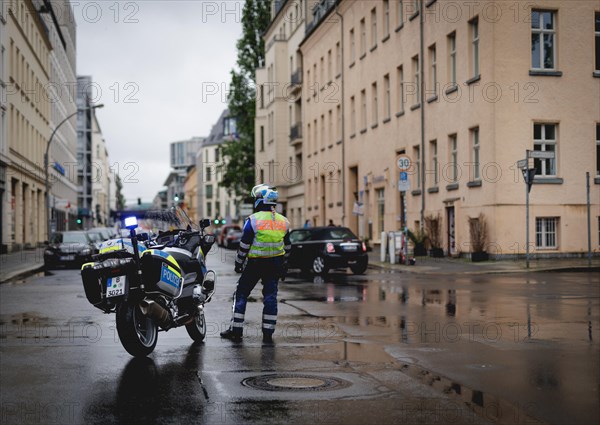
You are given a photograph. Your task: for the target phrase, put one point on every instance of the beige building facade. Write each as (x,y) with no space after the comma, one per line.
(27,115)
(279,127)
(462,90)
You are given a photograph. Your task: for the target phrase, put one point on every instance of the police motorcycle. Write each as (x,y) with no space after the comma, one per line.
(155,283)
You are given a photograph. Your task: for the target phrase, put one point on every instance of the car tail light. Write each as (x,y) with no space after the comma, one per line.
(330,247)
(364,246)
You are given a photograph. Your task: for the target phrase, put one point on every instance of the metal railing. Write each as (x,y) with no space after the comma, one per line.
(296,132)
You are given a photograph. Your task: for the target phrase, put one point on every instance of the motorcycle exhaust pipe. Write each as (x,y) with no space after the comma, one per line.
(155,311)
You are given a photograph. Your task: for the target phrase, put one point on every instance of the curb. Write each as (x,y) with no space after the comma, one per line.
(593,268)
(22,273)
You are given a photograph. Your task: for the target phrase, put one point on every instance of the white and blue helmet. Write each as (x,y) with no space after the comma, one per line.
(264,193)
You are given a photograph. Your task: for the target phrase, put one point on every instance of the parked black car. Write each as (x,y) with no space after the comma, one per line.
(69,248)
(320,249)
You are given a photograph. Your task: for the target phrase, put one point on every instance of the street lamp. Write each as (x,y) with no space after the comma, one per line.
(47,176)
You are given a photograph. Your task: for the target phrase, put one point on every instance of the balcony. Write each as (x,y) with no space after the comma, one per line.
(296,134)
(296,81)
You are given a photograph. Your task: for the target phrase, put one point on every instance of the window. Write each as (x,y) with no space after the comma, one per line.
(209,208)
(544,139)
(209,191)
(208,171)
(338,112)
(453,150)
(417,157)
(338,59)
(229,127)
(387,100)
(329,66)
(380,208)
(322,72)
(417,80)
(262,138)
(543,43)
(434,161)
(374,103)
(374,27)
(363,37)
(546,236)
(363,110)
(400,88)
(597,34)
(474,32)
(352,46)
(399,13)
(308,140)
(598,150)
(433,70)
(452,59)
(475,152)
(330,123)
(352,116)
(386,18)
(322,140)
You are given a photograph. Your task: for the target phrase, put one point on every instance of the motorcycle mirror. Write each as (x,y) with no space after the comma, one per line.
(204,223)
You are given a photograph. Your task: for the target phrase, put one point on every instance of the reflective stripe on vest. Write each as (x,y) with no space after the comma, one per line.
(269,230)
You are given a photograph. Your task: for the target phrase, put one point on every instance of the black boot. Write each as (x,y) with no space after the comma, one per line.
(232,335)
(267,338)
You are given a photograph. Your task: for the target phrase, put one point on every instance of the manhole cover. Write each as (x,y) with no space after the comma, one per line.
(295,383)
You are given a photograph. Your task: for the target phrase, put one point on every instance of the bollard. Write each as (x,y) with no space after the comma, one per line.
(383,247)
(392,249)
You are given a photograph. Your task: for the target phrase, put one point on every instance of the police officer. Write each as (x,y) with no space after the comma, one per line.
(263,250)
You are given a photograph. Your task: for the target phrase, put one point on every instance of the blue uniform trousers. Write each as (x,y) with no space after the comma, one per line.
(268,270)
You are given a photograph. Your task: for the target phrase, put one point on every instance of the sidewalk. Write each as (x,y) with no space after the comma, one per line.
(428,265)
(20,263)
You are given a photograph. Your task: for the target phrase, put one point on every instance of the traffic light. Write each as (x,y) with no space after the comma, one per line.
(176,197)
(79,221)
(217,221)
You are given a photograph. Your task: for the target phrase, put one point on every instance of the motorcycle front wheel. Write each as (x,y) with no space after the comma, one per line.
(138,333)
(197,329)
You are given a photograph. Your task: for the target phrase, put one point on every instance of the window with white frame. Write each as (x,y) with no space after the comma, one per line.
(597,38)
(543,39)
(399,13)
(475,152)
(452,59)
(598,150)
(400,88)
(433,70)
(374,106)
(546,232)
(474,33)
(417,79)
(434,161)
(363,37)
(352,46)
(363,109)
(386,18)
(387,100)
(374,27)
(453,159)
(352,116)
(417,157)
(545,139)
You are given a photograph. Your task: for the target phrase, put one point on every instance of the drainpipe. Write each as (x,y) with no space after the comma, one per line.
(343,112)
(422,101)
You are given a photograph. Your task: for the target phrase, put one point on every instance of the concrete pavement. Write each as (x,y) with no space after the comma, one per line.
(21,263)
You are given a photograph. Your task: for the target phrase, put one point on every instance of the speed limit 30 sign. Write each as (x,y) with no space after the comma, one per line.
(404,162)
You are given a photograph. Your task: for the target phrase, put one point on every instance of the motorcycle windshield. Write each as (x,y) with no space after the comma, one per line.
(165,220)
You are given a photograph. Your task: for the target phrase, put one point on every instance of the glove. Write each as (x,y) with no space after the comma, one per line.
(239,268)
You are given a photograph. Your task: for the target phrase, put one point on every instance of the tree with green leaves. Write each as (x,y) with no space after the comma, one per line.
(238,173)
(119,194)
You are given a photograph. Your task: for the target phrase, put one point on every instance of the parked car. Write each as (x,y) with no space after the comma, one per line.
(223,234)
(105,232)
(233,238)
(320,249)
(69,248)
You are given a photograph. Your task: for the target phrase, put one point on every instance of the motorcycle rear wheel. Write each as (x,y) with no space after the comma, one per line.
(197,329)
(138,333)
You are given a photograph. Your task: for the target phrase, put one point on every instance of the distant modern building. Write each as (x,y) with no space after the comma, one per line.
(214,201)
(182,156)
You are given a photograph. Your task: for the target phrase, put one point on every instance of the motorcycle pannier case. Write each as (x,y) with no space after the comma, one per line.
(106,282)
(161,272)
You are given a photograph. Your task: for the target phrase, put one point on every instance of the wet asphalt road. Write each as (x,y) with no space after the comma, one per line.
(395,348)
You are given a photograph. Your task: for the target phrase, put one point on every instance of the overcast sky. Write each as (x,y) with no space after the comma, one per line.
(156,64)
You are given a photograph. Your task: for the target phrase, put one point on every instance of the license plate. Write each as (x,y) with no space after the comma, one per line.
(350,248)
(115,286)
(67,258)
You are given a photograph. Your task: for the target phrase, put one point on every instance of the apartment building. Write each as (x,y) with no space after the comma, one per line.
(463,90)
(279,127)
(26,120)
(213,200)
(4,221)
(182,156)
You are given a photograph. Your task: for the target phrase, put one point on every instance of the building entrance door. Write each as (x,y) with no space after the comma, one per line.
(451,231)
